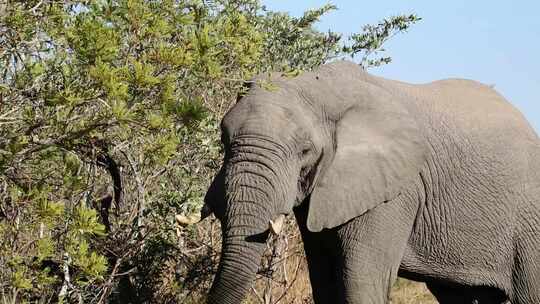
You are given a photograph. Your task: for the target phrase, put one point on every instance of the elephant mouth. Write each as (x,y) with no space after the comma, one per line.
(274,228)
(261,237)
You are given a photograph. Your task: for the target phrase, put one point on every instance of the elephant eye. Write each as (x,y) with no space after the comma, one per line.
(307,147)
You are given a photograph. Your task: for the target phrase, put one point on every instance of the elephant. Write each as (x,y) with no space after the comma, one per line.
(437,183)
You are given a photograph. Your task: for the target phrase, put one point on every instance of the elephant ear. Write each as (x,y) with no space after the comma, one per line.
(379,149)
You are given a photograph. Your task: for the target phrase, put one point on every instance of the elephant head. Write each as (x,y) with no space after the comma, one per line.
(326,138)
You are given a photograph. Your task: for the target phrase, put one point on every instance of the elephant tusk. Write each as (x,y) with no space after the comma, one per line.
(184,221)
(277,225)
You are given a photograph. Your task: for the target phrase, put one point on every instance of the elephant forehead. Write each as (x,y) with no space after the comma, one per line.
(262,114)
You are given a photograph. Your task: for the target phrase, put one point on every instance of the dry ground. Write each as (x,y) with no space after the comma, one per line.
(408,292)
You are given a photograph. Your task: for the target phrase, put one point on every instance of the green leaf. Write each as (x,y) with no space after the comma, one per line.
(85,222)
(20,281)
(45,248)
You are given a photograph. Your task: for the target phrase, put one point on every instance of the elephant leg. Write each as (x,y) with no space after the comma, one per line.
(322,275)
(466,295)
(447,295)
(321,257)
(526,276)
(372,248)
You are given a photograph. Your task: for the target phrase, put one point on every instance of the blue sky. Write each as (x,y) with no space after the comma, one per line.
(496,42)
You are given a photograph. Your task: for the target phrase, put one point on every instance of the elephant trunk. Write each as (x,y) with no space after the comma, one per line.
(237,269)
(252,194)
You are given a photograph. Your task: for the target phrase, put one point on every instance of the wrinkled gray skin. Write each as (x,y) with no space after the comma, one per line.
(437,183)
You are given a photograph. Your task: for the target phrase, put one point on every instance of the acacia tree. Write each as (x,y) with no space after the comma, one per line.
(109,116)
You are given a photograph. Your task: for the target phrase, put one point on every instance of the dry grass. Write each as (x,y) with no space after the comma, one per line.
(408,292)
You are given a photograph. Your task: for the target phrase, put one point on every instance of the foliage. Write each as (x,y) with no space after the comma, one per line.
(372,38)
(109,114)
